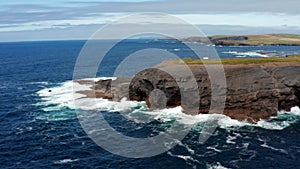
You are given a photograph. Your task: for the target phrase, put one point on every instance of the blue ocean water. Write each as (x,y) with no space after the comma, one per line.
(42,131)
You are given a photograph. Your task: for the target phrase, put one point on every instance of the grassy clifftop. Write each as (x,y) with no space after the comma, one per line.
(233,61)
(255,40)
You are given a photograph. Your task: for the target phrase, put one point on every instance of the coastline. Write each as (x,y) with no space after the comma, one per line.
(247,40)
(254,91)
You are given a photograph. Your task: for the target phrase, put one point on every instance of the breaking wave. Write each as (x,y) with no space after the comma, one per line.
(60,101)
(250,54)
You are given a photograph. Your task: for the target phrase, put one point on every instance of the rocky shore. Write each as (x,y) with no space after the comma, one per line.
(253,92)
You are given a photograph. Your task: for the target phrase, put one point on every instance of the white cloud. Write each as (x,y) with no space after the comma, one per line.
(244,19)
(55,18)
(64,23)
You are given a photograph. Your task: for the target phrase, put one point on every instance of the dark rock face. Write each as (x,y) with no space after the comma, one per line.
(147,81)
(220,41)
(216,41)
(253,91)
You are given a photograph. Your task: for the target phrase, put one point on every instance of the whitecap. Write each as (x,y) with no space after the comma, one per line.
(245,54)
(65,161)
(217,165)
(265,145)
(214,149)
(230,138)
(42,83)
(231,52)
(186,158)
(294,111)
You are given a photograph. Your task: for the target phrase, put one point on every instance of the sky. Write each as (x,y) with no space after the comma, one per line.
(29,20)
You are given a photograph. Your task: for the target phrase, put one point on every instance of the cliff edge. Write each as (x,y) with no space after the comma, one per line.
(254,91)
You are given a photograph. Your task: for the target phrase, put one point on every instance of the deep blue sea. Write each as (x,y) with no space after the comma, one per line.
(40,129)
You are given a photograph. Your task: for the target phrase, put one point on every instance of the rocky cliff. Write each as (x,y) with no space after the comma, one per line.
(254,91)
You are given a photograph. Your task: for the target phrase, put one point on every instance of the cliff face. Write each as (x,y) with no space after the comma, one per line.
(253,91)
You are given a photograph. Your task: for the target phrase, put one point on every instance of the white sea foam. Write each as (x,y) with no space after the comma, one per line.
(230,138)
(244,54)
(186,158)
(42,83)
(215,166)
(265,145)
(231,52)
(60,96)
(65,161)
(294,111)
(65,95)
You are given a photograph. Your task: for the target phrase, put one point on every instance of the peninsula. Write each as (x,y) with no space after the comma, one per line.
(256,88)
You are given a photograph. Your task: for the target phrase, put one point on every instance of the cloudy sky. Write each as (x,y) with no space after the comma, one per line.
(27,20)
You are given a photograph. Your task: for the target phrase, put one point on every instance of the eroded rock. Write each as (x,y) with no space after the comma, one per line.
(253,91)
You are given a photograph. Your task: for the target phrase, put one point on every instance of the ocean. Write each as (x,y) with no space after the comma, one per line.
(40,129)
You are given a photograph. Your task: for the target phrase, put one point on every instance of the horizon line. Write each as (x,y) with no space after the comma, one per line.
(148,38)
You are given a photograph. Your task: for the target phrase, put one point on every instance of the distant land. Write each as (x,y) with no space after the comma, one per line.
(248,40)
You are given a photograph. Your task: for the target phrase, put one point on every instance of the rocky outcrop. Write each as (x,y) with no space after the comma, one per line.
(254,91)
(229,41)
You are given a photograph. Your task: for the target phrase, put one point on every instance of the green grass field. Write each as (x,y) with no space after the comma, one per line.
(233,61)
